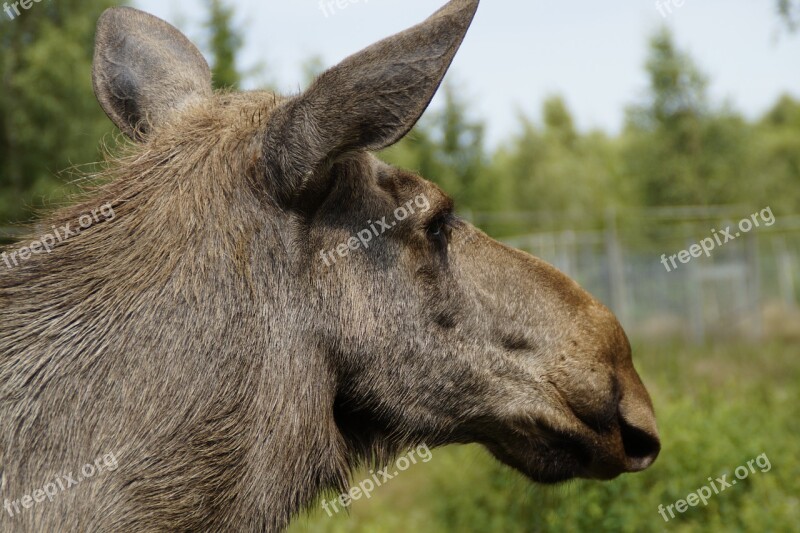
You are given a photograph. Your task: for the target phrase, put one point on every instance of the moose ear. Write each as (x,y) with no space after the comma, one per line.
(144,69)
(370,100)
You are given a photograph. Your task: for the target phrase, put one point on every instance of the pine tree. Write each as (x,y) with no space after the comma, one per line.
(680,149)
(49,118)
(790,12)
(224,43)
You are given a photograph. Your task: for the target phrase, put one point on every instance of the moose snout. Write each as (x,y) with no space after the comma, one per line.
(638,429)
(641,445)
(625,422)
(631,445)
(611,409)
(634,444)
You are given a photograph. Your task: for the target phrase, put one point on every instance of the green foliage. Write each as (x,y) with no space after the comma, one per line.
(679,149)
(718,408)
(312,67)
(677,87)
(776,149)
(790,12)
(224,44)
(554,170)
(49,118)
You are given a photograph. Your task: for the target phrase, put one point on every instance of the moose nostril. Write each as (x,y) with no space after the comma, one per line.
(641,447)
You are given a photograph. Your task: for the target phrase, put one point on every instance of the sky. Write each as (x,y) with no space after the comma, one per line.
(518,53)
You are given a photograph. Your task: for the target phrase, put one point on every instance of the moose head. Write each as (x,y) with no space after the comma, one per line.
(277,306)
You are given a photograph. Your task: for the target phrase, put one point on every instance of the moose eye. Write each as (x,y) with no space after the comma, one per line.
(439,230)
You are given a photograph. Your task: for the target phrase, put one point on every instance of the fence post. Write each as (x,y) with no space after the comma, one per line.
(754,283)
(616,269)
(697,316)
(785,272)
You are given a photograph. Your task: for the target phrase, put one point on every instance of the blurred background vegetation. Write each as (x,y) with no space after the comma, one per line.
(679,157)
(678,147)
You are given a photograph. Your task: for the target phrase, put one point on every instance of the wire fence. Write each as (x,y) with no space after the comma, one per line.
(660,274)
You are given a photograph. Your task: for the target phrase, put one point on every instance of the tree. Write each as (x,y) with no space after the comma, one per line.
(558,122)
(677,87)
(49,118)
(790,12)
(312,68)
(560,175)
(461,153)
(678,148)
(224,44)
(777,148)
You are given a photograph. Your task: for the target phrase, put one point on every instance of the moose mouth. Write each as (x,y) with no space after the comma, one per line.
(549,455)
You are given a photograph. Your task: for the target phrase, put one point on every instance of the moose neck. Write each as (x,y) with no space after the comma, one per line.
(211,361)
(297,451)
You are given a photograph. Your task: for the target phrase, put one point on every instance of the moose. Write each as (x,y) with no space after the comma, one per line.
(197,338)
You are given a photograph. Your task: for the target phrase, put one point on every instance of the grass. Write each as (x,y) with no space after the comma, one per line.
(718,406)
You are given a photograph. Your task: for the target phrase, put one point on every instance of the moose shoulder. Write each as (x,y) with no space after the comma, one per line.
(198,337)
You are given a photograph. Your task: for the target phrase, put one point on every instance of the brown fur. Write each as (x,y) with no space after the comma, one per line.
(199,337)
